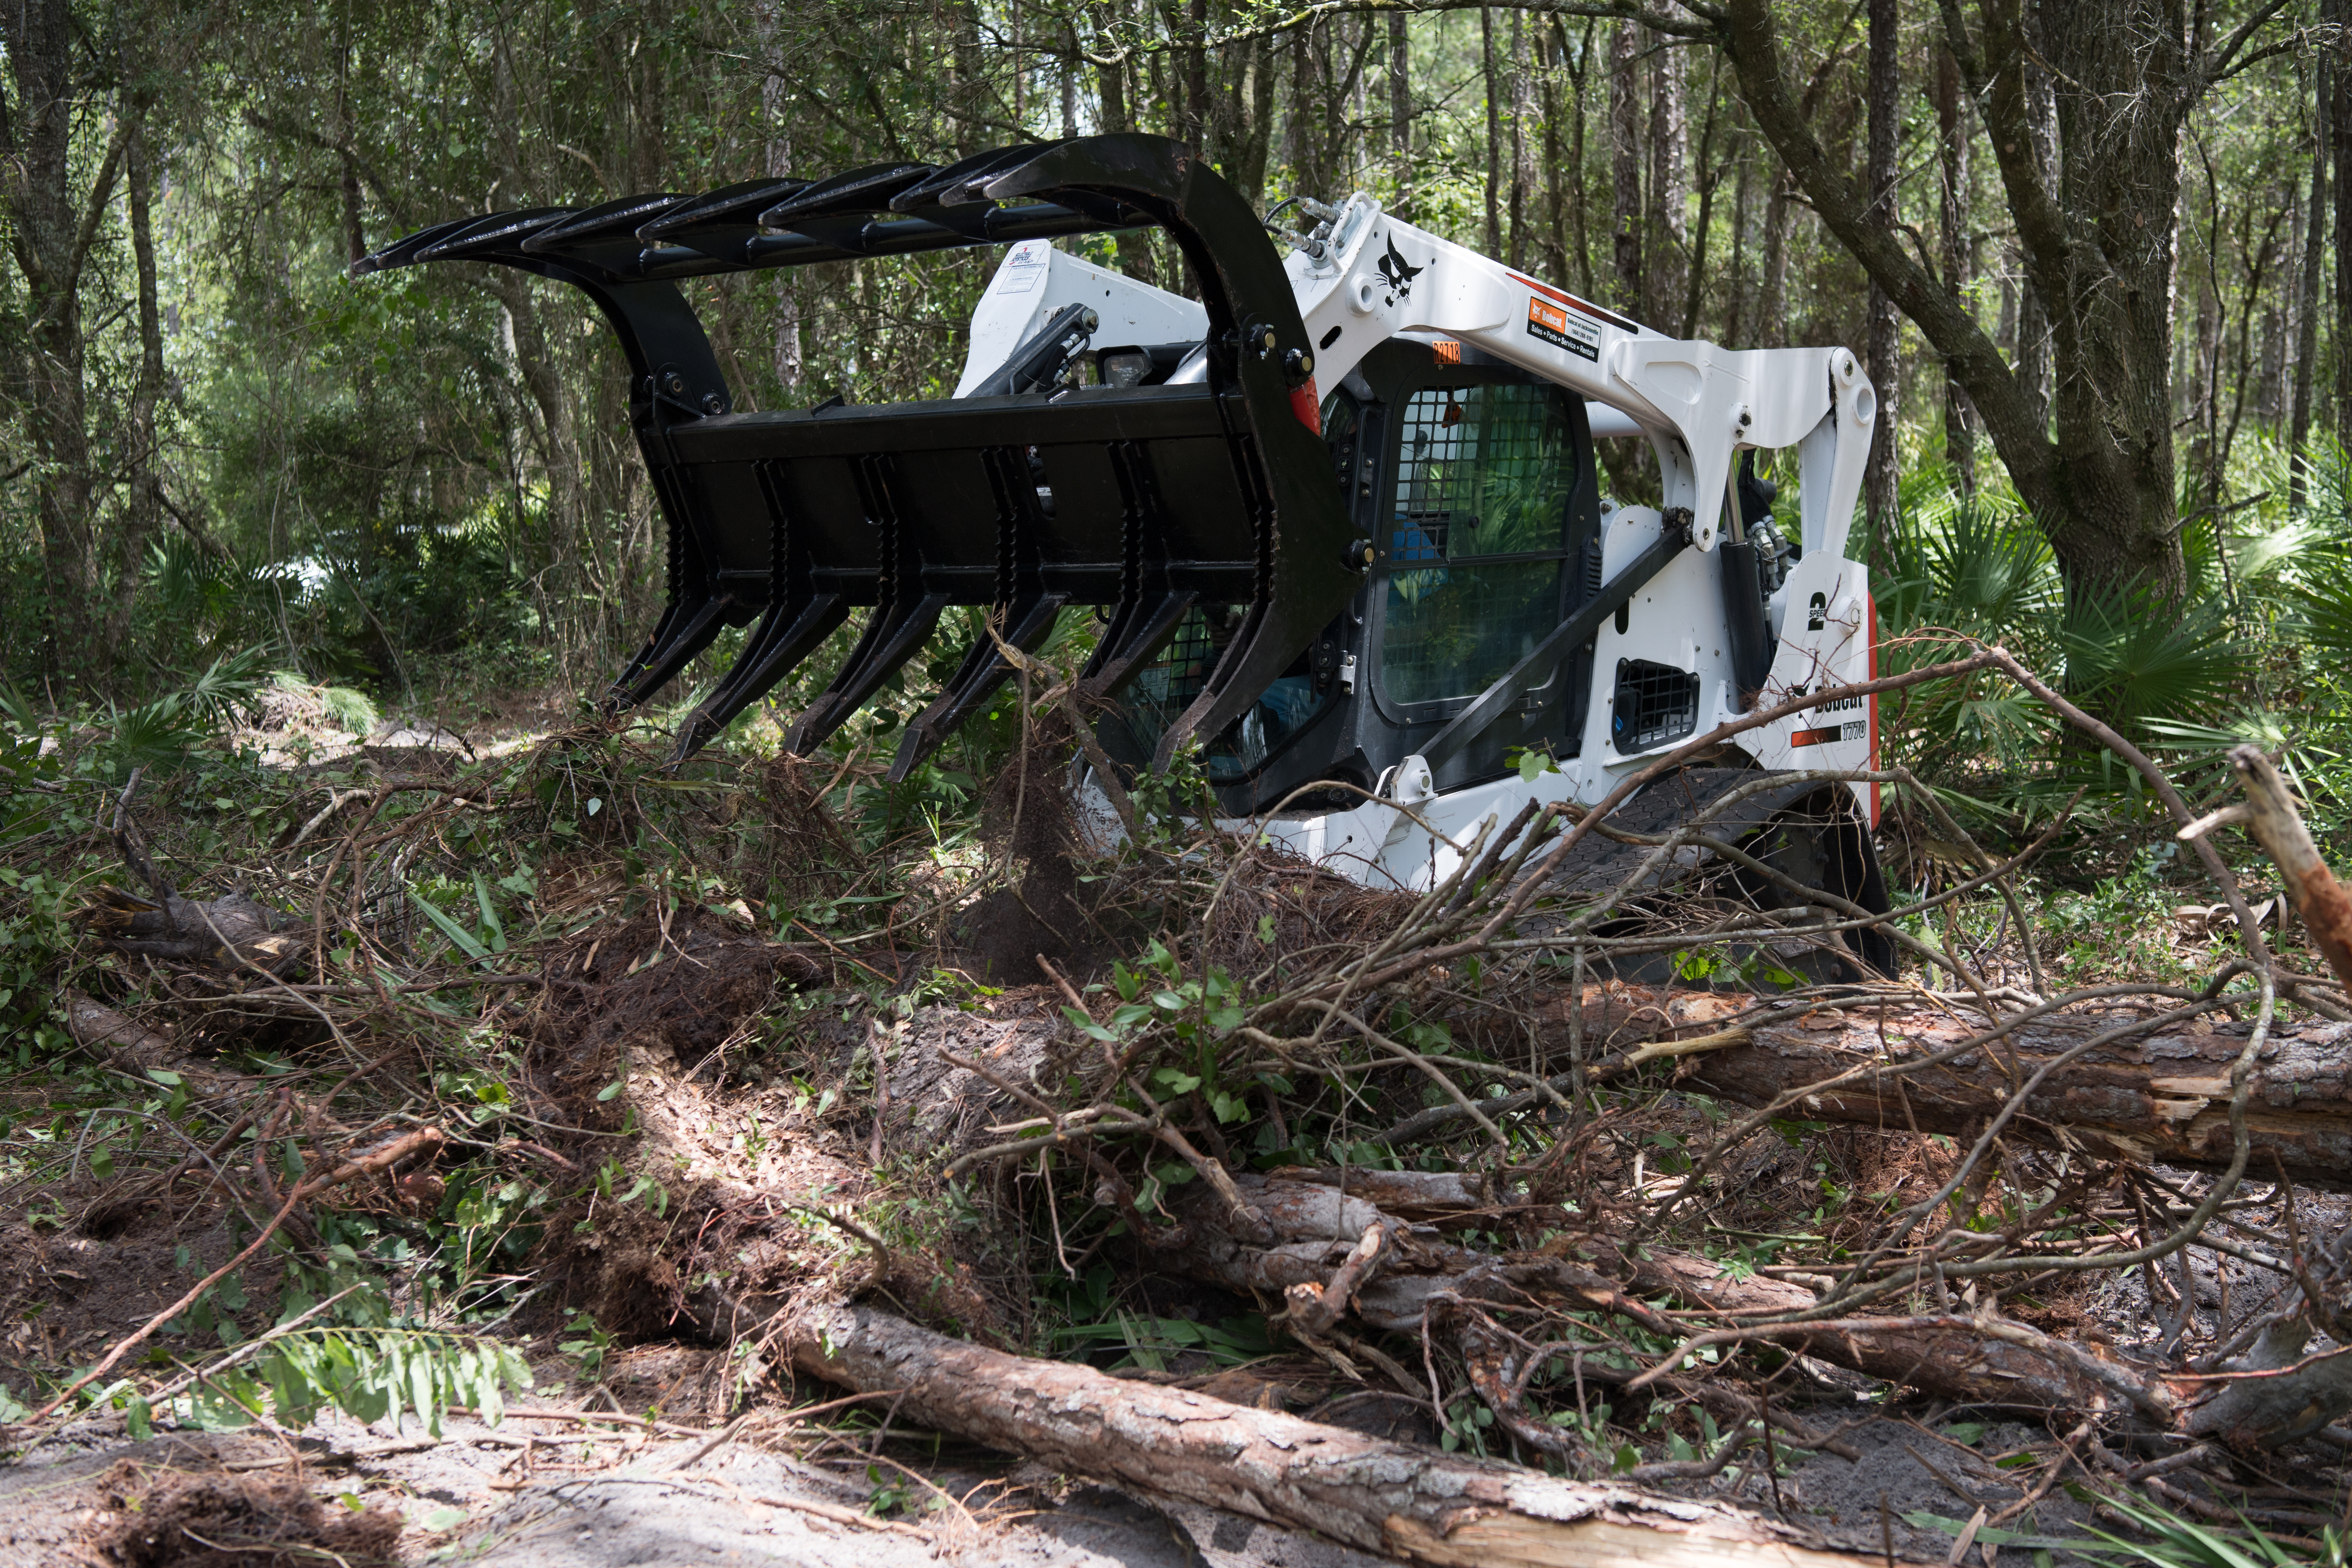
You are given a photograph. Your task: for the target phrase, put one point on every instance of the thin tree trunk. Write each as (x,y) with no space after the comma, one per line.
(1550,52)
(1885,324)
(141,511)
(1626,162)
(1952,138)
(1523,167)
(1666,251)
(2307,281)
(1494,130)
(775,110)
(2339,123)
(1401,114)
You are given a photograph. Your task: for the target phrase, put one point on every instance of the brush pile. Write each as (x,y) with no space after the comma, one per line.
(471,1066)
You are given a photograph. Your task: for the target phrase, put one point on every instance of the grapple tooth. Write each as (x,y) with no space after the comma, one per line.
(865,190)
(736,206)
(959,183)
(617,219)
(1024,612)
(798,619)
(487,236)
(903,617)
(1149,605)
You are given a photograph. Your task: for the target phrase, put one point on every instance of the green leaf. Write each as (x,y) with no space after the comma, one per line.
(449,927)
(609,1090)
(445,1518)
(489,915)
(1967,1432)
(139,1419)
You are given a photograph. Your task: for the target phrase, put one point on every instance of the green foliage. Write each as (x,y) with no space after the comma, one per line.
(2177,1541)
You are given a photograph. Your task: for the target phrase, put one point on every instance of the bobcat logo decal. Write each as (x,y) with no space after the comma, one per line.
(1399,276)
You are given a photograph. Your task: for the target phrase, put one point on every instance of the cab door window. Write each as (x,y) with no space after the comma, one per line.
(1479,543)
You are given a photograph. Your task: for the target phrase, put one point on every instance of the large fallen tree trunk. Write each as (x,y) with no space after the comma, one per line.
(2161,1096)
(1418,1504)
(2157,1095)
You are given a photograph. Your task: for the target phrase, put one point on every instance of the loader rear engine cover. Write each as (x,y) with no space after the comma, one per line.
(1339,518)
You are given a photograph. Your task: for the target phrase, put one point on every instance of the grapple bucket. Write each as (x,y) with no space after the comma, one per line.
(1145,500)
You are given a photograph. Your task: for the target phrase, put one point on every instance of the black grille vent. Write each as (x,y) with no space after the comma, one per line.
(1655,704)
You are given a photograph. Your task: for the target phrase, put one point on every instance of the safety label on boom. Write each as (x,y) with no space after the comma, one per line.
(1563,329)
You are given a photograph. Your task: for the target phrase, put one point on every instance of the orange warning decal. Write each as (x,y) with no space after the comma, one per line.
(1551,323)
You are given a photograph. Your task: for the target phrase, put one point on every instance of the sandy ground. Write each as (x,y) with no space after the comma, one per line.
(593,1502)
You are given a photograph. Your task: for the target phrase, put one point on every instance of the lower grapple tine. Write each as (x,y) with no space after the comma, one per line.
(685,632)
(788,633)
(984,669)
(891,640)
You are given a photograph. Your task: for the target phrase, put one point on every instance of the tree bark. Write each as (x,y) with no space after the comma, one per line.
(1401,113)
(1625,163)
(1494,130)
(1879,479)
(2307,296)
(1952,146)
(141,504)
(2339,127)
(1666,247)
(1414,1503)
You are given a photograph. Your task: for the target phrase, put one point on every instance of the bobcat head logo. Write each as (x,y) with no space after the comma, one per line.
(1399,275)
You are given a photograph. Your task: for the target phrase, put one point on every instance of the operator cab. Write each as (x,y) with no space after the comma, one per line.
(1474,482)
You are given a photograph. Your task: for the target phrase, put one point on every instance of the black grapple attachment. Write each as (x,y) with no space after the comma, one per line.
(1144,499)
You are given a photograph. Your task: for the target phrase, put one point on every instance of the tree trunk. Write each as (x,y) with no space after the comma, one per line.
(1625,163)
(1666,251)
(1401,113)
(1952,144)
(2098,244)
(775,111)
(2313,252)
(2339,128)
(1491,75)
(1879,479)
(1415,1503)
(142,506)
(1523,162)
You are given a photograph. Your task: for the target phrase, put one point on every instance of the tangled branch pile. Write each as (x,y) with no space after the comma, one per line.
(1619,1153)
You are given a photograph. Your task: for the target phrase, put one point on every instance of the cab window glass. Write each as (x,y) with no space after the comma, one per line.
(1477,542)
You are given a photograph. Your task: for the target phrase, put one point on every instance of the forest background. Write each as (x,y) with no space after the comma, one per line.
(2092,255)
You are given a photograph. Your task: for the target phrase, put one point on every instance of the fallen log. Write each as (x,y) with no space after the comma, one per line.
(2157,1095)
(2162,1096)
(1418,1504)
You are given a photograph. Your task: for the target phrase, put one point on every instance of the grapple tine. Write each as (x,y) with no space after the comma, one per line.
(799,617)
(903,617)
(1149,605)
(1271,633)
(958,184)
(499,231)
(1025,612)
(860,191)
(619,219)
(739,204)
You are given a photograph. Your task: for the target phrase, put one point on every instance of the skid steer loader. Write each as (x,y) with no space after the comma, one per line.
(1341,516)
